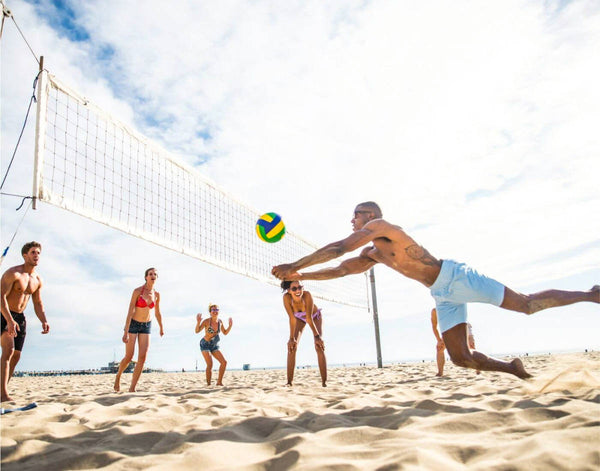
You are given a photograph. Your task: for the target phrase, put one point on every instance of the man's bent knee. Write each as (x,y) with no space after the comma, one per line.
(530,306)
(524,303)
(463,359)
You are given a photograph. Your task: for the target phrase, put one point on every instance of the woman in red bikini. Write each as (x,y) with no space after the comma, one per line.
(298,303)
(137,327)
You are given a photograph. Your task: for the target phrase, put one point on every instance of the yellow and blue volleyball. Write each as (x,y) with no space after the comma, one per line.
(270,227)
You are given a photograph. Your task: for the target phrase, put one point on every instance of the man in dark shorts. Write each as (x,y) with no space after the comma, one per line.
(18,285)
(452,284)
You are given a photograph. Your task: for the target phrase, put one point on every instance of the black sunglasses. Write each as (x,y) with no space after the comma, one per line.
(297,288)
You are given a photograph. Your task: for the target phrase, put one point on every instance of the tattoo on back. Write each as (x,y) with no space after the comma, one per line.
(417,252)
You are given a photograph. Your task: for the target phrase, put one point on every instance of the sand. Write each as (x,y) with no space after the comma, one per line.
(398,417)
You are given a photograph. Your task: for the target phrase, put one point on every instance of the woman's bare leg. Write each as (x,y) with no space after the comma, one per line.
(321,353)
(209,365)
(143,345)
(221,359)
(291,356)
(129,351)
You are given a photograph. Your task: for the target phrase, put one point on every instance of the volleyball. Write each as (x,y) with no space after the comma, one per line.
(270,227)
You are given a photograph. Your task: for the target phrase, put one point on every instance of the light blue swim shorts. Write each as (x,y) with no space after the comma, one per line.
(458,284)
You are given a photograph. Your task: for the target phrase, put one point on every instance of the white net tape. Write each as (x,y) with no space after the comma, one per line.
(95,166)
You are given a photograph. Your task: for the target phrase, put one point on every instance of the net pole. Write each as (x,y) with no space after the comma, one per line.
(40,133)
(375,318)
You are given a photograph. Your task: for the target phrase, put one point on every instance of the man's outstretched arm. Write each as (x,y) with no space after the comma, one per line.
(331,251)
(351,266)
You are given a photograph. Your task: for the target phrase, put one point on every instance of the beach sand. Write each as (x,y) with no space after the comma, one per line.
(398,417)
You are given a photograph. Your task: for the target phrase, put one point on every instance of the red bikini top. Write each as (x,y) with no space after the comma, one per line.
(141,302)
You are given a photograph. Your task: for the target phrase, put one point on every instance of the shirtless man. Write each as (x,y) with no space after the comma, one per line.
(451,284)
(18,285)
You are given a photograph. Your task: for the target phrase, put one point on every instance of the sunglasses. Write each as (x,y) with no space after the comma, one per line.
(214,309)
(297,288)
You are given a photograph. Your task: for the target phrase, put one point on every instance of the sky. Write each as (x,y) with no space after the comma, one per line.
(473,125)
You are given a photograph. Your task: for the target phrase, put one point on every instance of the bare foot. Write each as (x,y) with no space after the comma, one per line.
(324,384)
(519,369)
(478,372)
(5,398)
(117,386)
(289,384)
(596,288)
(219,384)
(440,374)
(132,390)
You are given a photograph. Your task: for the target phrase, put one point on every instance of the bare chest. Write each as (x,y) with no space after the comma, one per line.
(407,258)
(25,284)
(298,306)
(390,253)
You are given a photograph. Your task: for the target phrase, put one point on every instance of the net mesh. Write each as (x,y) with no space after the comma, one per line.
(97,167)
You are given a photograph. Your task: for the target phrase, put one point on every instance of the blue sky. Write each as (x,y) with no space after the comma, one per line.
(473,127)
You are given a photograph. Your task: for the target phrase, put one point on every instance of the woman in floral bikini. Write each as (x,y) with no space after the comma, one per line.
(209,344)
(298,303)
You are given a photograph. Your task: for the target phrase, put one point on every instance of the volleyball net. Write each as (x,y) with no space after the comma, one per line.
(91,164)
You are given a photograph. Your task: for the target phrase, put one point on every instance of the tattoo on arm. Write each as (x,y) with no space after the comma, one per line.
(416,252)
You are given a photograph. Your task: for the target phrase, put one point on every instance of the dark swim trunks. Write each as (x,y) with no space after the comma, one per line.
(19,318)
(136,327)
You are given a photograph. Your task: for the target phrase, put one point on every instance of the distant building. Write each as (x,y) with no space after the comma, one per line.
(113,367)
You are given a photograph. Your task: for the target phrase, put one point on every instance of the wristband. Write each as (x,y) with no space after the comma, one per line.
(318,337)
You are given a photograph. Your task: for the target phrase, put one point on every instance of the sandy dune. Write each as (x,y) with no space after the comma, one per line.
(398,417)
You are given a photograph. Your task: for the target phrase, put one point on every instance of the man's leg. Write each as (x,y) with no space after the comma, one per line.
(8,348)
(14,359)
(456,344)
(471,343)
(441,361)
(530,303)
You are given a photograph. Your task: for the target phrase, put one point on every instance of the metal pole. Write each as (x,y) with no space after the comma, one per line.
(40,133)
(375,318)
